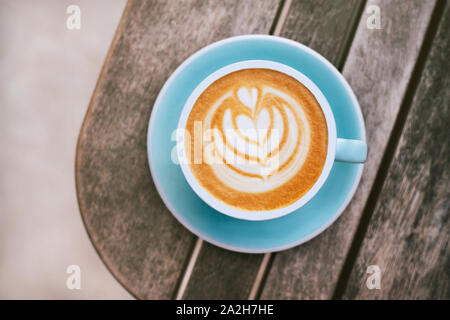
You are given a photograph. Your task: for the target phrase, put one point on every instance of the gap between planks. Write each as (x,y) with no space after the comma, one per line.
(189,269)
(281,18)
(278,25)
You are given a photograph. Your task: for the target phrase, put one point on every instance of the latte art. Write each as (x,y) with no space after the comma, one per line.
(261,134)
(263,139)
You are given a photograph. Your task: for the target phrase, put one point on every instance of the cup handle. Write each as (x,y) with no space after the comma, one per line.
(348,150)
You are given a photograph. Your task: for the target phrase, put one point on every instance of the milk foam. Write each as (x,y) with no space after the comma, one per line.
(259,148)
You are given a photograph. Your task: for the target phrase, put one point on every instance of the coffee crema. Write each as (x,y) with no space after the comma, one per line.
(258,140)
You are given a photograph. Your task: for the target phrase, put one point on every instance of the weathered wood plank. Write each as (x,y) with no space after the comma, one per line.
(325,26)
(138,239)
(409,233)
(378,67)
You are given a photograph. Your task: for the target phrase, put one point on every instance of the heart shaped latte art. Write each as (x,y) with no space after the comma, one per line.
(258,138)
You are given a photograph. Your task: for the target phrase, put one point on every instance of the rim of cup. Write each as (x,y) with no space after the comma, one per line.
(234,211)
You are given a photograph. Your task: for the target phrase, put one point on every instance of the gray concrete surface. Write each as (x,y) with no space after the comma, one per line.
(47,75)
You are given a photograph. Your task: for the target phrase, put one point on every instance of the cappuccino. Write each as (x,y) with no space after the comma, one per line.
(258,139)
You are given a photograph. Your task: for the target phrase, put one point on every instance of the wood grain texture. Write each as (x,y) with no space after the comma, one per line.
(409,233)
(378,68)
(144,247)
(324,26)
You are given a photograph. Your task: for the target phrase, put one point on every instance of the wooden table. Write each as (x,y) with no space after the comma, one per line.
(399,217)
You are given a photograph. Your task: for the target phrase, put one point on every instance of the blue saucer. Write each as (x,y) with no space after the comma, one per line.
(219,229)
